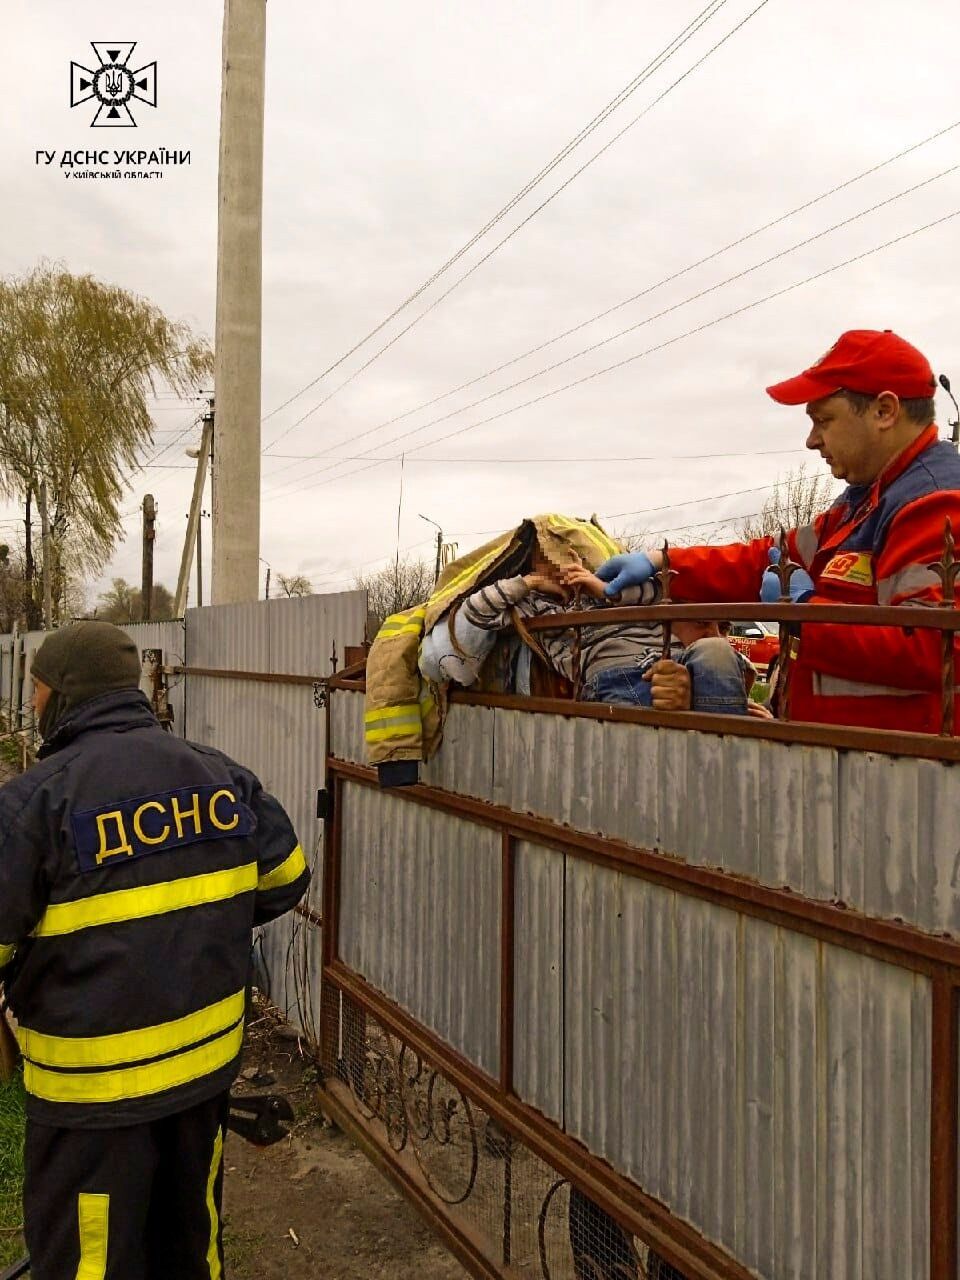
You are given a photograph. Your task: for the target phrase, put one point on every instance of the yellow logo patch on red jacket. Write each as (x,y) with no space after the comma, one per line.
(851,566)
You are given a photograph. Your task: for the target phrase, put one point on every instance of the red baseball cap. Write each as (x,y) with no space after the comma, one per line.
(867,360)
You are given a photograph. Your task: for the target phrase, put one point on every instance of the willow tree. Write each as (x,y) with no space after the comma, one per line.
(78,359)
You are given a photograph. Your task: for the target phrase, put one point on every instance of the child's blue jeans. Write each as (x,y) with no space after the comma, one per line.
(715,673)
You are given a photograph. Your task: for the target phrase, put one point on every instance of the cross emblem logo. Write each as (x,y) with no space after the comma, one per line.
(114,84)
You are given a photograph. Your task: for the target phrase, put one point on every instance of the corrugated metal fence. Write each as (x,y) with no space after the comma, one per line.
(277,728)
(769,1081)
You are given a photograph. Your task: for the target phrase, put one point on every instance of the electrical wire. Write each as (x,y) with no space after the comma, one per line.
(479,263)
(661,346)
(614,515)
(670,279)
(633,457)
(603,342)
(704,16)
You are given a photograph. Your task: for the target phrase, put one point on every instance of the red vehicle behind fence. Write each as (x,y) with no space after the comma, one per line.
(758,642)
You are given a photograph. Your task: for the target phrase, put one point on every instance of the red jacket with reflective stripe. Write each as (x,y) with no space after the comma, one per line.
(874,546)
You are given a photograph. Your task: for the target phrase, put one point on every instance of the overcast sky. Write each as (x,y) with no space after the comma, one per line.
(396,131)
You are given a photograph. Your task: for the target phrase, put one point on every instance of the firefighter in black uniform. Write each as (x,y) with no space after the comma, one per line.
(133,867)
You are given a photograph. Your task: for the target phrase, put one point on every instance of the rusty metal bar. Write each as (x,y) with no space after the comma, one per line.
(901,615)
(331,868)
(946,570)
(887,741)
(944,1130)
(507,952)
(949,680)
(258,677)
(888,940)
(675,1240)
(665,574)
(784,569)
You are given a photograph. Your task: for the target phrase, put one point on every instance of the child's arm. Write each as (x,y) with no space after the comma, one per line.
(475,626)
(582,579)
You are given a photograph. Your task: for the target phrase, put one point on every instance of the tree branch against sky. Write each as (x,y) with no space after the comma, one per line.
(799,497)
(78,360)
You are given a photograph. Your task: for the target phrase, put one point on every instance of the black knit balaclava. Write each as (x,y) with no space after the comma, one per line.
(80,662)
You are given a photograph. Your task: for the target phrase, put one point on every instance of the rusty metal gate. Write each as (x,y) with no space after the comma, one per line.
(696,973)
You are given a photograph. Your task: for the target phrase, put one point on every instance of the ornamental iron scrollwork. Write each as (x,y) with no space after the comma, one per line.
(420,1110)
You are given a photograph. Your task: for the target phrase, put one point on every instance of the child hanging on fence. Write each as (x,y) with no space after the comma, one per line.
(617,662)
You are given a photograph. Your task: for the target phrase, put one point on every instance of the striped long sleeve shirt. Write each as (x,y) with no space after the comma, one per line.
(489,611)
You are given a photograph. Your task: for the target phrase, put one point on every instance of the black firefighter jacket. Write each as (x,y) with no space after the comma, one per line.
(133,867)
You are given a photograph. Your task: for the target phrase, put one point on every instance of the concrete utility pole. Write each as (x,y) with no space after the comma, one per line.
(149,536)
(236,481)
(193,519)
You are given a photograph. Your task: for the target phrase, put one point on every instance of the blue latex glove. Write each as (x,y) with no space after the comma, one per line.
(632,569)
(801,584)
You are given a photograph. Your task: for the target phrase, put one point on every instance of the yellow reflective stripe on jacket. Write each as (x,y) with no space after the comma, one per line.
(392,722)
(380,715)
(7,952)
(131,1046)
(133,1082)
(93,1219)
(153,900)
(409,622)
(474,569)
(213,1248)
(409,629)
(605,545)
(289,870)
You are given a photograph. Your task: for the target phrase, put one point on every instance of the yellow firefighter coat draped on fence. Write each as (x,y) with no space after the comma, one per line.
(402,718)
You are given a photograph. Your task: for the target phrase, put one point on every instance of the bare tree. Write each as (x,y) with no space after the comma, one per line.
(398,586)
(799,497)
(634,539)
(294,585)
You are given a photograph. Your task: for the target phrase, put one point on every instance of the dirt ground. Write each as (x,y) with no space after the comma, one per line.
(313,1205)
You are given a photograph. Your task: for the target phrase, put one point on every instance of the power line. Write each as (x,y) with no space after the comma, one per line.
(601,315)
(676,306)
(691,502)
(633,457)
(485,533)
(561,155)
(427,310)
(708,324)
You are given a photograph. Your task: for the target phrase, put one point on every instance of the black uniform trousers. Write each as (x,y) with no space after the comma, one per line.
(135,1203)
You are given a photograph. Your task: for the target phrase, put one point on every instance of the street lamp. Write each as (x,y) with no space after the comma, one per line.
(436,574)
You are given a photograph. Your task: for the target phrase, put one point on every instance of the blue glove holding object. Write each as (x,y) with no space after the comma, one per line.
(801,584)
(631,569)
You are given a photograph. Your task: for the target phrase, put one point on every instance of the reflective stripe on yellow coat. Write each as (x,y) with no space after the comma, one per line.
(401,717)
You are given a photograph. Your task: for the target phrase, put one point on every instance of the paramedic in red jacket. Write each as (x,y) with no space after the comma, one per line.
(871,409)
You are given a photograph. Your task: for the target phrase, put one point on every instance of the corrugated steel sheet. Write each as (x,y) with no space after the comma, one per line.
(876,832)
(771,1089)
(539,903)
(279,732)
(346,726)
(420,915)
(6,674)
(294,636)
